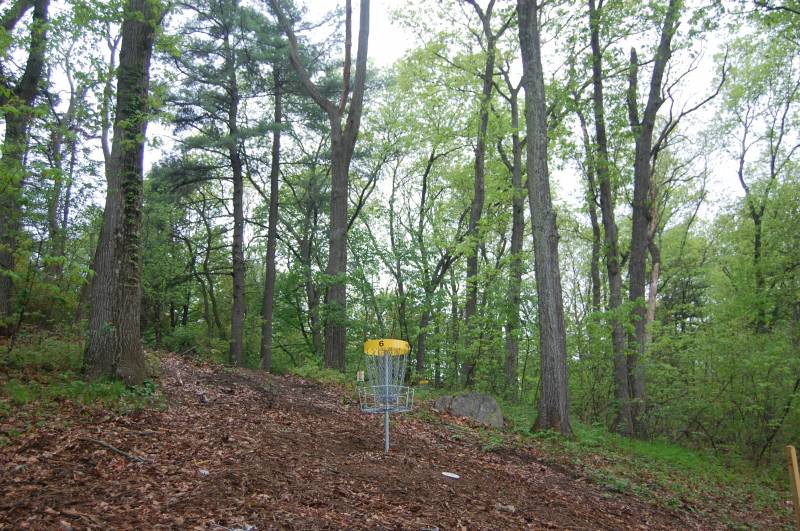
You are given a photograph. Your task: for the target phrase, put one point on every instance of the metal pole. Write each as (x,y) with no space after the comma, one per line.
(386,362)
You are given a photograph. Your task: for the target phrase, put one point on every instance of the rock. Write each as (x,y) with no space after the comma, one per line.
(505,508)
(479,407)
(442,403)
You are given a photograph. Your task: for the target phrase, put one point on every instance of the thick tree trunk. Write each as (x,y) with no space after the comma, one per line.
(238,306)
(14,147)
(335,296)
(114,346)
(272,227)
(17,102)
(623,422)
(343,142)
(553,403)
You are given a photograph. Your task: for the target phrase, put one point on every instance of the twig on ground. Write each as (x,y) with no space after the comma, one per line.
(115,449)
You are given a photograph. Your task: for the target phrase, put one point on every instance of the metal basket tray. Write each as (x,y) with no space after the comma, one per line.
(386,398)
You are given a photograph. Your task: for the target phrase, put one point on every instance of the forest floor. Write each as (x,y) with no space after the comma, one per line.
(240,449)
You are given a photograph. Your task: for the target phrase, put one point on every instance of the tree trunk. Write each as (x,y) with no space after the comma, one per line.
(591,202)
(642,197)
(652,292)
(553,403)
(114,346)
(343,139)
(623,422)
(335,296)
(517,233)
(58,209)
(424,321)
(212,296)
(479,190)
(185,308)
(238,306)
(272,228)
(431,282)
(761,314)
(17,102)
(237,259)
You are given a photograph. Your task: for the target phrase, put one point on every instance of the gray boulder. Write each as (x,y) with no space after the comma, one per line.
(477,406)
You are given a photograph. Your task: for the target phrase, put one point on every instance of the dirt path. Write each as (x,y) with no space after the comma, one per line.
(239,449)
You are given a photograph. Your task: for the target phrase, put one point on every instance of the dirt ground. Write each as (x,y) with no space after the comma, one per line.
(244,450)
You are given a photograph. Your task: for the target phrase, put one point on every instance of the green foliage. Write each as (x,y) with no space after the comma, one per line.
(314,371)
(66,386)
(657,470)
(44,370)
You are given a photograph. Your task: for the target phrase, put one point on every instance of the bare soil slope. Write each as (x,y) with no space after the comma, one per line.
(239,448)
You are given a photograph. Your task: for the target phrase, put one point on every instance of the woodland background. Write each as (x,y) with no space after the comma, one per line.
(681,317)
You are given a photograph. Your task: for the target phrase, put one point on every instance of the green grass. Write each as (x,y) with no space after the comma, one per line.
(657,471)
(314,371)
(67,386)
(44,371)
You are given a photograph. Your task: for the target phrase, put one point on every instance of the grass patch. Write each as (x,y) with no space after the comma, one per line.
(314,371)
(45,370)
(656,470)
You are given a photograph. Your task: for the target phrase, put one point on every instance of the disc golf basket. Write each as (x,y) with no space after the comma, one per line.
(384,392)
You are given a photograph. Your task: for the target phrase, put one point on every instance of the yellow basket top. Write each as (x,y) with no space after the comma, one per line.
(378,347)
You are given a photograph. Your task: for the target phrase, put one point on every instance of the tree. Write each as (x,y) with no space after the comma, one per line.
(519,192)
(643,126)
(343,140)
(488,41)
(761,108)
(601,165)
(272,230)
(16,104)
(211,103)
(113,347)
(553,403)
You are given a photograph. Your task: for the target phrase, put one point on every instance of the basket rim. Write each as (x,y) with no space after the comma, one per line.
(379,347)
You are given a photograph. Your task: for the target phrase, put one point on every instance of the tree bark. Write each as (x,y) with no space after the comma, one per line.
(642,196)
(17,100)
(237,248)
(272,227)
(479,188)
(553,403)
(517,233)
(114,346)
(623,422)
